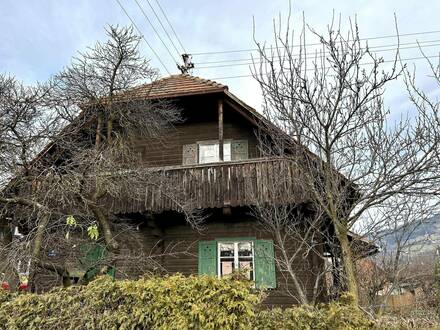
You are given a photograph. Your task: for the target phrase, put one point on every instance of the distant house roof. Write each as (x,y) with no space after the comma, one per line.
(175,86)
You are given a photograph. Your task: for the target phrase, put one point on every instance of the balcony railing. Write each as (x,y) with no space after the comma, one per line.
(217,185)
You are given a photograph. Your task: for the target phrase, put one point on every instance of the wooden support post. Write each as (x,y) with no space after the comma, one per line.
(220,129)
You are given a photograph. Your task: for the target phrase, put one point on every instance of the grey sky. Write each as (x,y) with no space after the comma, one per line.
(40,37)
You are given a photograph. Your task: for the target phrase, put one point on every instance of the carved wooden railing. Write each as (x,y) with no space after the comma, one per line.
(217,185)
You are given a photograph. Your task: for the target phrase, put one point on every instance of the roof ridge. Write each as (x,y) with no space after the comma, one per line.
(209,81)
(185,75)
(177,85)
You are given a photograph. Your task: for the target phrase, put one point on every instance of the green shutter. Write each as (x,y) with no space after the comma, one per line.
(93,255)
(111,272)
(208,258)
(265,276)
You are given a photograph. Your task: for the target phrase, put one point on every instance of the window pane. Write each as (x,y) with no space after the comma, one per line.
(234,256)
(227,151)
(226,249)
(245,249)
(226,266)
(208,153)
(247,267)
(245,259)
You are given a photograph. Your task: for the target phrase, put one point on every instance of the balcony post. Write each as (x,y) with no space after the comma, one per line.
(220,129)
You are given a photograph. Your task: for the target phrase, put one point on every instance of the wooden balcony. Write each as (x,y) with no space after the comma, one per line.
(218,185)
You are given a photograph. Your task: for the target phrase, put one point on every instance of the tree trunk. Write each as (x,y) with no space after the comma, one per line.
(111,243)
(98,136)
(36,249)
(110,130)
(347,258)
(39,237)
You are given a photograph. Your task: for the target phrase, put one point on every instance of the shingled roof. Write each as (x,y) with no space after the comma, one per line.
(176,85)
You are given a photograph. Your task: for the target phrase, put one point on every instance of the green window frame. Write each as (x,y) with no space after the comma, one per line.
(263,259)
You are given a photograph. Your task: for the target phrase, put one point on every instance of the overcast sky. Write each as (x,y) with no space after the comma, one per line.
(40,37)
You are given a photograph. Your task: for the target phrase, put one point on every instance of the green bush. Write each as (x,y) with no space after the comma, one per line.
(172,302)
(334,315)
(5,296)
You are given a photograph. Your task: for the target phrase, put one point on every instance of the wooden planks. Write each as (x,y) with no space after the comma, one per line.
(217,185)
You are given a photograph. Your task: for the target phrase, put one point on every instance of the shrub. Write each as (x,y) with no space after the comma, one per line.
(172,302)
(417,319)
(335,315)
(5,296)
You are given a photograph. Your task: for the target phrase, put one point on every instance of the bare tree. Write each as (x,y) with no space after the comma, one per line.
(90,159)
(351,158)
(25,127)
(398,227)
(300,237)
(92,81)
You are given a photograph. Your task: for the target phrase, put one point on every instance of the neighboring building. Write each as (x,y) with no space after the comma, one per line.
(217,125)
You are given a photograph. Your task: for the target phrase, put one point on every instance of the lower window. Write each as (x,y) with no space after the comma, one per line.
(236,256)
(253,257)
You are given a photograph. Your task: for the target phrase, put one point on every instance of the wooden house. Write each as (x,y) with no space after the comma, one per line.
(214,157)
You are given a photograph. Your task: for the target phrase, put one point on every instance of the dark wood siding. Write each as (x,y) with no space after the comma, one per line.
(178,242)
(181,241)
(200,124)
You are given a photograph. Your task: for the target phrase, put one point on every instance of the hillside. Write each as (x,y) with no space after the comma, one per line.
(422,237)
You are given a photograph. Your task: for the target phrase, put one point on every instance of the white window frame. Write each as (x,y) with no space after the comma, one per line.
(236,257)
(214,143)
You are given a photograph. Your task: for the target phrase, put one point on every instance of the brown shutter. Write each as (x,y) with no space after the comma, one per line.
(189,155)
(239,150)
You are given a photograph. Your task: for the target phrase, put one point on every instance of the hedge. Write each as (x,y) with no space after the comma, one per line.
(324,316)
(172,302)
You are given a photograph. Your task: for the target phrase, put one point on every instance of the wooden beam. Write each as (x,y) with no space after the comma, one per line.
(227,210)
(241,112)
(220,129)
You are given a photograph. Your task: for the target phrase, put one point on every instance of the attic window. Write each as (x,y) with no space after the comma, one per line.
(204,152)
(209,152)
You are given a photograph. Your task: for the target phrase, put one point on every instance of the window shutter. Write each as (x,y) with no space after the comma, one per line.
(94,254)
(239,150)
(189,155)
(265,276)
(208,258)
(111,272)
